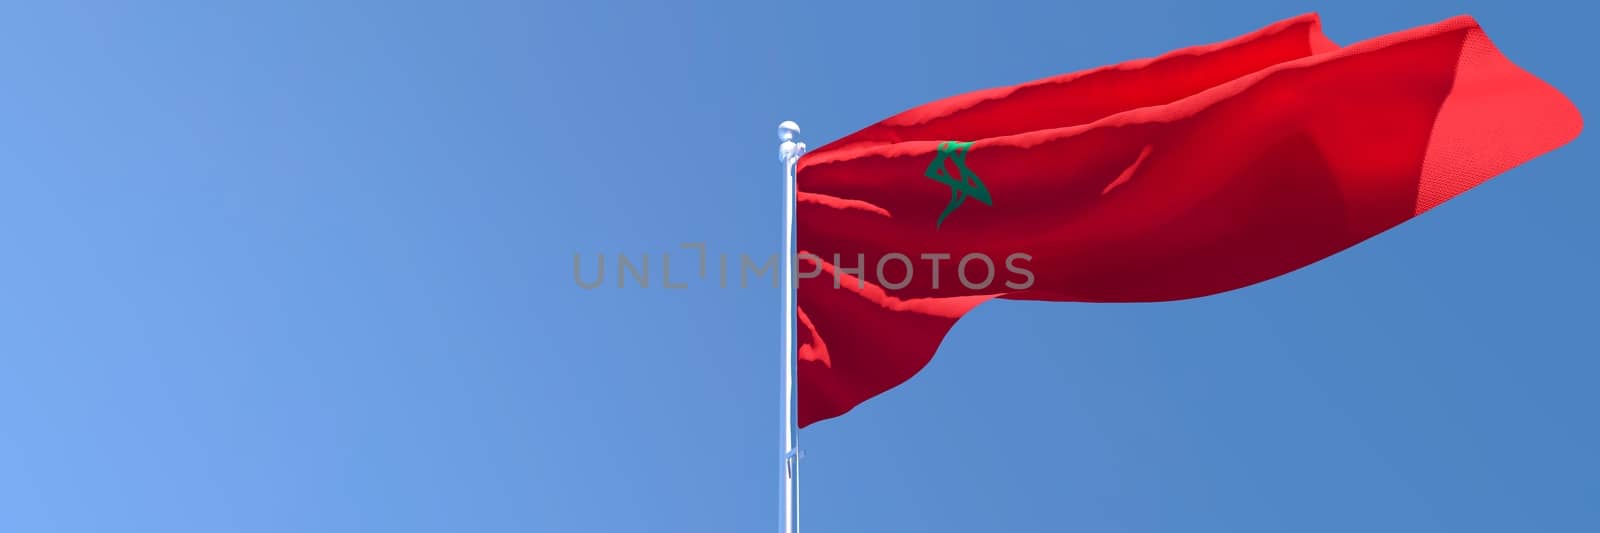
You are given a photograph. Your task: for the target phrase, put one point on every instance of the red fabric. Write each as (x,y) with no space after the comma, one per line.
(1201,171)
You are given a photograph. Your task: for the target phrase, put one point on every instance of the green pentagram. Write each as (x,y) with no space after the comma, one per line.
(968,186)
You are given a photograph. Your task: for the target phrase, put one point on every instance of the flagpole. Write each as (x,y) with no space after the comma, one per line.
(789,152)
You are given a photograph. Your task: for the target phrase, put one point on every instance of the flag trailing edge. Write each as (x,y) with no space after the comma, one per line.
(1196,172)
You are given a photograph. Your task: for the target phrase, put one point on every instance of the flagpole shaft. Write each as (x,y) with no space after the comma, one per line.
(789,152)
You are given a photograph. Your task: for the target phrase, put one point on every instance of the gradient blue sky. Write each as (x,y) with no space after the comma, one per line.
(306,266)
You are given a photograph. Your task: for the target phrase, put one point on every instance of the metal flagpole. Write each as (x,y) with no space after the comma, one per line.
(789,153)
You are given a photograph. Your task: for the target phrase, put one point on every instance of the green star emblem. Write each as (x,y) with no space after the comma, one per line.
(965,185)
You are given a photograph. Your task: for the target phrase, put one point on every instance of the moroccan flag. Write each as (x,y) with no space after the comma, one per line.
(1201,171)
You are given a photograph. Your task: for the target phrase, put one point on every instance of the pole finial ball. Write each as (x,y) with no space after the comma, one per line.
(788,130)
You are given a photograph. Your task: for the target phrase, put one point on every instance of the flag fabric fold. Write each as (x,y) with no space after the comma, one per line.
(1197,172)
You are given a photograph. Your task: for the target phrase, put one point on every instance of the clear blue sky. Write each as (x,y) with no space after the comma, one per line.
(306,266)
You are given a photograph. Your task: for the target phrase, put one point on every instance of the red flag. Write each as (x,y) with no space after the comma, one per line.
(1201,171)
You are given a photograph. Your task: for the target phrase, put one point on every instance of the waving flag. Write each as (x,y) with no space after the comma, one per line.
(1201,171)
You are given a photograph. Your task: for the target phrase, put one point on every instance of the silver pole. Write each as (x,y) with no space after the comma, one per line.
(789,153)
